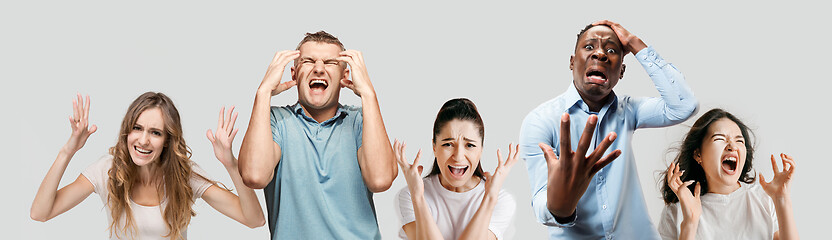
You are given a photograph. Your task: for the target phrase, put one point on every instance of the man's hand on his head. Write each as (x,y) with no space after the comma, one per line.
(271,82)
(630,42)
(360,82)
(570,175)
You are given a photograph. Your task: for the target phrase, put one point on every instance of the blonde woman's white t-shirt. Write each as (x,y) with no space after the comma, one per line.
(148,219)
(452,211)
(747,213)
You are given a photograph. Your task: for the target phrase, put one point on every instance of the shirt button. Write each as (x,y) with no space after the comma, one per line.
(609,237)
(604,207)
(649,64)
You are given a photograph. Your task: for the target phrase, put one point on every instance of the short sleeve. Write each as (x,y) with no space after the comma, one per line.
(405,206)
(503,216)
(276,125)
(199,180)
(358,127)
(97,173)
(667,224)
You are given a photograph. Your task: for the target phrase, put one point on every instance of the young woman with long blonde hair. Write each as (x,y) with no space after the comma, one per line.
(148,182)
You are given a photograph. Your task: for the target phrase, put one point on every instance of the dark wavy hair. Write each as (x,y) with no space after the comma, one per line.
(461,109)
(693,142)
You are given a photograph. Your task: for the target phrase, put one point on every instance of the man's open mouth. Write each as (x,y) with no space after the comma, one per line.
(596,77)
(318,85)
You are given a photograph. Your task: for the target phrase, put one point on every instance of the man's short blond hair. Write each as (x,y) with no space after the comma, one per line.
(322,37)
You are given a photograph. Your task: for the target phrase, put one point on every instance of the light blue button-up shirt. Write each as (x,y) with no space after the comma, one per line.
(613,205)
(317,191)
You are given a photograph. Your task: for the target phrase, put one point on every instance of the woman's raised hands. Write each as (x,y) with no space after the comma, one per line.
(690,201)
(79,121)
(224,136)
(412,172)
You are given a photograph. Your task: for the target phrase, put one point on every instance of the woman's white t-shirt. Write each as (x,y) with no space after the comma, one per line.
(452,210)
(747,213)
(148,219)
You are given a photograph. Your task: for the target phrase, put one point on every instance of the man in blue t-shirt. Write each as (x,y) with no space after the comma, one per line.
(318,161)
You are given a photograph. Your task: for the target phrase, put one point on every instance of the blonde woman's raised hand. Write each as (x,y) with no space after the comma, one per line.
(779,186)
(224,136)
(412,172)
(79,121)
(690,201)
(494,181)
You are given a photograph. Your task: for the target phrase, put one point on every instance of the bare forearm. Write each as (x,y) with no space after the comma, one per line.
(45,199)
(478,227)
(379,168)
(250,206)
(561,203)
(425,225)
(785,218)
(257,157)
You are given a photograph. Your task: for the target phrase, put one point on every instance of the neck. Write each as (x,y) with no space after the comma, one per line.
(146,174)
(595,103)
(471,184)
(723,189)
(320,115)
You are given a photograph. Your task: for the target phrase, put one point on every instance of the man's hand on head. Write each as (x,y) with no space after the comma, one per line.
(271,82)
(570,175)
(630,42)
(360,79)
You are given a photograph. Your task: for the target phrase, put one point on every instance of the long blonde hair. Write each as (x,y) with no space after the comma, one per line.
(174,169)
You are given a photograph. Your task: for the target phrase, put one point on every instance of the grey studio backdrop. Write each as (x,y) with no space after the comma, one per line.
(768,64)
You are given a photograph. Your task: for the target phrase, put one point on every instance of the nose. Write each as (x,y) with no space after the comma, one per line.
(144,139)
(319,67)
(459,151)
(599,55)
(731,146)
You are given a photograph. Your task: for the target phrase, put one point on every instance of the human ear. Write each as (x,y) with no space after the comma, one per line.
(623,67)
(697,156)
(293,71)
(571,62)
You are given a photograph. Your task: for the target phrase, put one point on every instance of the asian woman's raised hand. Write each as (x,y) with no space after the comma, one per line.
(690,201)
(779,186)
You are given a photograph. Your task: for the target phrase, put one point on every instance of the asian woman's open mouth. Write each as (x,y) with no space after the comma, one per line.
(457,171)
(729,164)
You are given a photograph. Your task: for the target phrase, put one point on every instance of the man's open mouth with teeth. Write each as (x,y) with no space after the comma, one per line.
(729,164)
(457,171)
(596,77)
(318,85)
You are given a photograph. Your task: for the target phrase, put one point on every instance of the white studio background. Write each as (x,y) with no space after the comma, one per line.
(766,63)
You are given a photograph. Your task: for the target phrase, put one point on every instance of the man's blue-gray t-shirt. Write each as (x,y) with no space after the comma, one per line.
(317,191)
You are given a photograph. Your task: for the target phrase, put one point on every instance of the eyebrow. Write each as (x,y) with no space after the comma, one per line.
(723,135)
(151,128)
(464,138)
(325,60)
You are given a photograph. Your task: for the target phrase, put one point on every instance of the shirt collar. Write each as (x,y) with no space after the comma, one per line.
(574,100)
(298,110)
